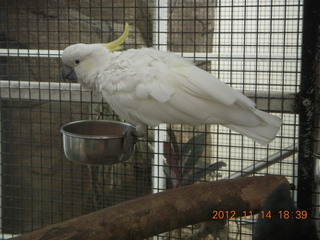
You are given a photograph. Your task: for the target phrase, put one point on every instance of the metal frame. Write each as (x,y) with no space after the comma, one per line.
(307,101)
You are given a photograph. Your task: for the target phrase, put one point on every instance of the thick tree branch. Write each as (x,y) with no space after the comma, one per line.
(157,213)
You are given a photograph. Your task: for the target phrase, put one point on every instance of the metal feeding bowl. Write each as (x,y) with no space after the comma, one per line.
(98,141)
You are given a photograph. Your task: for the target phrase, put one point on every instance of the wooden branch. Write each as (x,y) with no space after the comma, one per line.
(153,214)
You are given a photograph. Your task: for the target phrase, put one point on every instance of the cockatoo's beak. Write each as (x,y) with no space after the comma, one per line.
(68,73)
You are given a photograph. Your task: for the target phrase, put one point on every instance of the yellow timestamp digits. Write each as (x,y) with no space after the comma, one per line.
(263,214)
(283,214)
(298,214)
(220,214)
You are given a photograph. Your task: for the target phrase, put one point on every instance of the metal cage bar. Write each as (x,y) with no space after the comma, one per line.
(307,101)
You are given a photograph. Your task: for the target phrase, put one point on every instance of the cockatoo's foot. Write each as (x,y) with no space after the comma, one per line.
(137,132)
(130,136)
(141,130)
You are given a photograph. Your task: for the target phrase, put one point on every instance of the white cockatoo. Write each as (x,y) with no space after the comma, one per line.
(148,87)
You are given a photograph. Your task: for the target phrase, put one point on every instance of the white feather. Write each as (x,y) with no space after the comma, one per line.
(149,87)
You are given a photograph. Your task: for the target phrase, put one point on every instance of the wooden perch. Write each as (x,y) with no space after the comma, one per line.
(153,214)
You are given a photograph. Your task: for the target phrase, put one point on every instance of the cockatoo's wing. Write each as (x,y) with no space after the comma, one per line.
(203,84)
(150,87)
(236,111)
(231,109)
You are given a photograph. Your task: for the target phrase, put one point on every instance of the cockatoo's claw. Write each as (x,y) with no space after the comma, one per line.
(130,134)
(135,133)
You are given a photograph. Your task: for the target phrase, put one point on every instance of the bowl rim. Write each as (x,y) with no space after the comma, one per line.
(85,136)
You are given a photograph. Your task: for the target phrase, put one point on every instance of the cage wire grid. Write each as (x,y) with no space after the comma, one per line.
(253,46)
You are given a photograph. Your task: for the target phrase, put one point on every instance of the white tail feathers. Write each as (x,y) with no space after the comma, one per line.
(264,132)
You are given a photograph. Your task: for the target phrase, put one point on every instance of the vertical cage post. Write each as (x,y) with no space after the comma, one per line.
(307,104)
(160,41)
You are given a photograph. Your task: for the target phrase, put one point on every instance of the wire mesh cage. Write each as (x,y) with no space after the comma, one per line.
(253,46)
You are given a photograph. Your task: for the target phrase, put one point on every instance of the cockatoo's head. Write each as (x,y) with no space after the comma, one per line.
(83,62)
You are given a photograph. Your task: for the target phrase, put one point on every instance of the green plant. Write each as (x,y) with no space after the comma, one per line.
(183,161)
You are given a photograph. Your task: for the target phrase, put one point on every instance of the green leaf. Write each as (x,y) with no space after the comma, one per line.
(192,150)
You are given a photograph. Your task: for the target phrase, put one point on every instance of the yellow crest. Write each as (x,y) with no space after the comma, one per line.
(115,45)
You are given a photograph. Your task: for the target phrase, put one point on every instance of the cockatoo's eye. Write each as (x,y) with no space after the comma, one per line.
(77,61)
